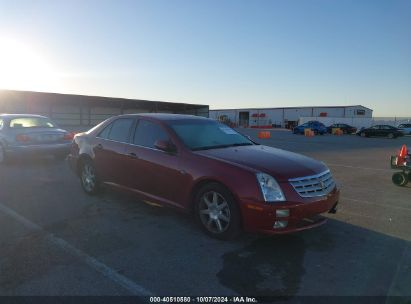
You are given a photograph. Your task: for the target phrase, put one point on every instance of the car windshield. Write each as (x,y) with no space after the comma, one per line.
(201,134)
(31,122)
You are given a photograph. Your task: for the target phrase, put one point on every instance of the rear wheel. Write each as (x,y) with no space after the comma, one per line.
(362,134)
(400,179)
(391,135)
(88,178)
(217,212)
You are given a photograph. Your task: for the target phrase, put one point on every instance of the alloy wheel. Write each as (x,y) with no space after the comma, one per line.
(390,135)
(214,212)
(88,178)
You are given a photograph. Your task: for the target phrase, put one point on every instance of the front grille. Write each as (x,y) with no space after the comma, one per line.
(315,185)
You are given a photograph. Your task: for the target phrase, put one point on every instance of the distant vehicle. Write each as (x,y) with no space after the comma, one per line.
(381,130)
(23,134)
(405,129)
(205,168)
(347,129)
(316,126)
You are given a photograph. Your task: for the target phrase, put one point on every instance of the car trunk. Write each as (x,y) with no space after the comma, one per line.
(38,136)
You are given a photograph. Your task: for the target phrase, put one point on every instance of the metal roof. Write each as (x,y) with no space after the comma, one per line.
(303,107)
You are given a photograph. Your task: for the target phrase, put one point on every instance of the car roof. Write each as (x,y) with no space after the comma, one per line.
(5,115)
(165,116)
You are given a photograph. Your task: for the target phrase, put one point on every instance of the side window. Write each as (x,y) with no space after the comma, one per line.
(104,134)
(120,129)
(147,133)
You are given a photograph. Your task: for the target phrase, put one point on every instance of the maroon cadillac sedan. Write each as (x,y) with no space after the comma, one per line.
(203,167)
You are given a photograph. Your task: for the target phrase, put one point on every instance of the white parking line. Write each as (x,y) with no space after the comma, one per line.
(360,168)
(105,270)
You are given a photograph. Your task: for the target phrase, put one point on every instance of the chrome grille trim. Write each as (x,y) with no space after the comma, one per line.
(314,185)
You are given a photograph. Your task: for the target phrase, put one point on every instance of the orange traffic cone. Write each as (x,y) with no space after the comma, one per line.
(403,151)
(264,134)
(402,155)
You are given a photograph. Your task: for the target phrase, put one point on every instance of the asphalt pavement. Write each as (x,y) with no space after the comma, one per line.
(56,240)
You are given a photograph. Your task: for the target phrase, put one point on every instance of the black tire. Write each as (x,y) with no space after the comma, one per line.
(363,134)
(391,135)
(400,179)
(88,178)
(230,229)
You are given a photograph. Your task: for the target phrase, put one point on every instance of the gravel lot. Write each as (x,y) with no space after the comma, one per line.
(55,240)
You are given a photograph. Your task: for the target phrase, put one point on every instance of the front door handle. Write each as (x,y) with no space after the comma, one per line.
(132,154)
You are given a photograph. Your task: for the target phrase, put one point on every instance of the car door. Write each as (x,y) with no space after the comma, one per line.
(372,131)
(385,130)
(109,150)
(150,170)
(376,131)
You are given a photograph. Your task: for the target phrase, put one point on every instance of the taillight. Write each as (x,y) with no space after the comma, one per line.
(69,136)
(22,138)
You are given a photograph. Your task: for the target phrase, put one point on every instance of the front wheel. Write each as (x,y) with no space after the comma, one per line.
(88,178)
(362,134)
(400,179)
(217,212)
(391,136)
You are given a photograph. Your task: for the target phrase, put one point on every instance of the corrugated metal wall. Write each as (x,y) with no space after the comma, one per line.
(85,111)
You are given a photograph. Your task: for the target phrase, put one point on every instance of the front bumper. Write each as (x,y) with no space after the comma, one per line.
(261,217)
(45,149)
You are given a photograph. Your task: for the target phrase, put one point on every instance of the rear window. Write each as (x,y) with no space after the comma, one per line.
(31,122)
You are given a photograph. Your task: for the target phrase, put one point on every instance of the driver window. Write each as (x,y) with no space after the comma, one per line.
(147,133)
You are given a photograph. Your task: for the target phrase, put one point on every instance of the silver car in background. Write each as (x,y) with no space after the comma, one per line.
(25,134)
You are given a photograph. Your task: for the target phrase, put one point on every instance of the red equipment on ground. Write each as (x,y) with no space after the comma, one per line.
(401,161)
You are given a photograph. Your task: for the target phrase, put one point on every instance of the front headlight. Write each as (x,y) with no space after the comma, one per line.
(270,189)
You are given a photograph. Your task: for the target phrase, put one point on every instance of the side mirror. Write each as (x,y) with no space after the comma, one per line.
(165,145)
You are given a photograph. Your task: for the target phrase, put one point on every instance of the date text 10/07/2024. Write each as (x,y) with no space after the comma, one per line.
(238,299)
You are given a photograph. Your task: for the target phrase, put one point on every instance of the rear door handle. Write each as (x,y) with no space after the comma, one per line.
(99,146)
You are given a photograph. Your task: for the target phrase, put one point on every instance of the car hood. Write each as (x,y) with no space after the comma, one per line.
(280,164)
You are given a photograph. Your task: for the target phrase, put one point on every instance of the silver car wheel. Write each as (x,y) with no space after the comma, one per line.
(214,212)
(88,177)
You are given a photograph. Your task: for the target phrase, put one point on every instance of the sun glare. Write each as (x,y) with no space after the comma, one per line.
(22,68)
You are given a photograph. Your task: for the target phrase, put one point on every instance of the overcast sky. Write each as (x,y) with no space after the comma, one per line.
(228,54)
